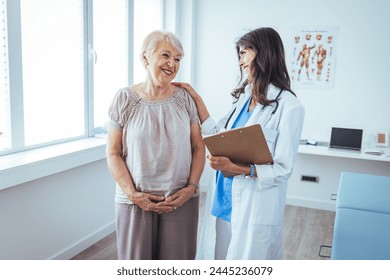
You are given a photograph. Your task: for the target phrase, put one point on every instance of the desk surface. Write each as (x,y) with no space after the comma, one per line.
(332,152)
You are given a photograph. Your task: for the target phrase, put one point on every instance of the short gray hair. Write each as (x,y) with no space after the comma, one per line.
(152,40)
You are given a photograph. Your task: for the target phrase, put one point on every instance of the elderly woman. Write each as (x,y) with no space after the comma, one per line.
(156,155)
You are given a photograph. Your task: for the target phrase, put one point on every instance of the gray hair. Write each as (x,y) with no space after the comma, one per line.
(152,40)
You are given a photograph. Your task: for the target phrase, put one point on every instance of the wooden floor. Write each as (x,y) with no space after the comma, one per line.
(305,231)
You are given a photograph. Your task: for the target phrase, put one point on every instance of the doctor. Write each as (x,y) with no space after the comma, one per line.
(247,202)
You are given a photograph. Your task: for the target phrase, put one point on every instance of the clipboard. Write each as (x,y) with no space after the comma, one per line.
(246,145)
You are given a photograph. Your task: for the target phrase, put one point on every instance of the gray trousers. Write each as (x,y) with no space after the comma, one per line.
(224,234)
(145,235)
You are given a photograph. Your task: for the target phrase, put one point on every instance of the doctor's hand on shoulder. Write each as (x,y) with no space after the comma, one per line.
(203,113)
(227,167)
(188,88)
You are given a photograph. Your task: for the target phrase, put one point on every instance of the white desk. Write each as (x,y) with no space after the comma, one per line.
(343,153)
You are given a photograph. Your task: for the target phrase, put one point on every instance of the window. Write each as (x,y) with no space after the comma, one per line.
(53,70)
(71,57)
(110,54)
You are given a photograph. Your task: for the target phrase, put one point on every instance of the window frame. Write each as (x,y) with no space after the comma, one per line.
(15,75)
(171,14)
(15,70)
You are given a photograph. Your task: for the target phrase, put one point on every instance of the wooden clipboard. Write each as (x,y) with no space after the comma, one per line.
(246,145)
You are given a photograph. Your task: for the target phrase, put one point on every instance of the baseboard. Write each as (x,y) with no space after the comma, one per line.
(311,203)
(84,243)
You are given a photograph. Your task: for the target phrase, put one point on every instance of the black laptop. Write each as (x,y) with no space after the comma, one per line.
(346,138)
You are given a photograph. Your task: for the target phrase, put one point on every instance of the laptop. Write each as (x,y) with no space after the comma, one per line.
(346,138)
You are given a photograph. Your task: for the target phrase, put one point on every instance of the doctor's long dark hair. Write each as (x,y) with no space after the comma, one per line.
(268,66)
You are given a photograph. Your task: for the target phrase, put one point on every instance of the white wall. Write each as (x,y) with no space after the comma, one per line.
(360,97)
(57,216)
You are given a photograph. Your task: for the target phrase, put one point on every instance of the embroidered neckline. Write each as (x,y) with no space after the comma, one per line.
(138,99)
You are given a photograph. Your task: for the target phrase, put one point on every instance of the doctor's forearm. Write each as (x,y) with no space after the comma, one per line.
(203,113)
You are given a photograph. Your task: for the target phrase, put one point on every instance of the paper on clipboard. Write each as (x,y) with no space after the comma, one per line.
(246,145)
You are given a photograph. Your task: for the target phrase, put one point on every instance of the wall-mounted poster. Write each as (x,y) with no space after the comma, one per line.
(314,57)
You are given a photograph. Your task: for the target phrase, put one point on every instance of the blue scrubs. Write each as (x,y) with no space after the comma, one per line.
(222,203)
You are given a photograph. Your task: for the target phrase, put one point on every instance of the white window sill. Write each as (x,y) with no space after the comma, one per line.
(26,166)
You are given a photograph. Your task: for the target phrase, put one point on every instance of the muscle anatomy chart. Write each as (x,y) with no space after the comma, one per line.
(314,57)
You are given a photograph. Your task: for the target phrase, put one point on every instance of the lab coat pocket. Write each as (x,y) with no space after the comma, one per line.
(265,207)
(270,136)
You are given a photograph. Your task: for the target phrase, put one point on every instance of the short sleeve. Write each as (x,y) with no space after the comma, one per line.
(117,111)
(191,107)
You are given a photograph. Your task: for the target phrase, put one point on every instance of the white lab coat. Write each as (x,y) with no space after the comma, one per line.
(257,203)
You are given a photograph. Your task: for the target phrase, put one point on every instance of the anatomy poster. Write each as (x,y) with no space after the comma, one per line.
(314,57)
